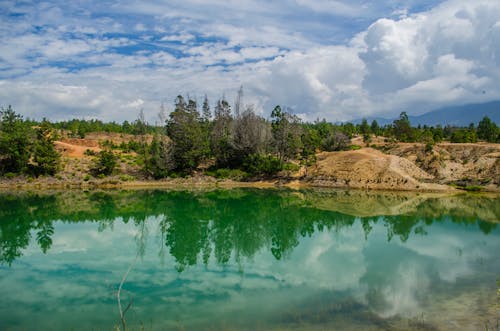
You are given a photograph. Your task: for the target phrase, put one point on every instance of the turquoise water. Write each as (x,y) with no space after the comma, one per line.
(249,260)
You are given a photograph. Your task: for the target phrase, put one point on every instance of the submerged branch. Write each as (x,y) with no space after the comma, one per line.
(124,311)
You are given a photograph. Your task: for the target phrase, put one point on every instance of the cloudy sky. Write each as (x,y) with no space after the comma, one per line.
(333,59)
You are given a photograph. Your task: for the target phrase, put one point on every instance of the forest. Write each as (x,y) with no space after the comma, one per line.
(226,138)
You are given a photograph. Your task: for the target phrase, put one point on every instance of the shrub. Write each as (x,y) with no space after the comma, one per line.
(127,178)
(9,175)
(256,164)
(104,164)
(291,167)
(89,152)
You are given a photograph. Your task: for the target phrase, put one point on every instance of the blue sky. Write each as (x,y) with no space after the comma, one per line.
(337,60)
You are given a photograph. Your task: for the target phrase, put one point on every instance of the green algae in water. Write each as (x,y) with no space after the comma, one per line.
(249,260)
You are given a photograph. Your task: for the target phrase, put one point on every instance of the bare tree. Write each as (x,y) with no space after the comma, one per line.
(238,104)
(162,114)
(250,133)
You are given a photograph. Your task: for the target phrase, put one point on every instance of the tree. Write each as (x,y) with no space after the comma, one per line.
(238,104)
(206,115)
(206,126)
(402,128)
(311,141)
(160,159)
(487,130)
(220,140)
(185,131)
(375,128)
(364,128)
(162,115)
(104,164)
(46,158)
(249,135)
(286,133)
(336,141)
(14,142)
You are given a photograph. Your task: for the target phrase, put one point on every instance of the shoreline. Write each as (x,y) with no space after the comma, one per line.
(205,182)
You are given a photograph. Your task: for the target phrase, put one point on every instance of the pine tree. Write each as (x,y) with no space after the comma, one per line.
(14,142)
(46,159)
(185,131)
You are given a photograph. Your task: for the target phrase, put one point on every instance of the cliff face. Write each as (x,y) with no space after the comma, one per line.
(410,167)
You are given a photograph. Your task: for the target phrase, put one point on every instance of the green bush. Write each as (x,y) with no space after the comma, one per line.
(291,167)
(127,178)
(89,152)
(104,164)
(256,164)
(9,175)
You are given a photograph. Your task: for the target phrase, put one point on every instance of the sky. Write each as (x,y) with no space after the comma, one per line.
(333,59)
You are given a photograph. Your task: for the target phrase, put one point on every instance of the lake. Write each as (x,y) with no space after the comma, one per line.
(247,259)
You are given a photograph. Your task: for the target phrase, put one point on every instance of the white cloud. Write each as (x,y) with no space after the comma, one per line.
(54,64)
(331,6)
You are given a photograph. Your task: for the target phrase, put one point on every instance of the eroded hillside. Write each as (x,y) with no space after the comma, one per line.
(409,167)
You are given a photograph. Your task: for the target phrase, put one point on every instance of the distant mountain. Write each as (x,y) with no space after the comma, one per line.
(456,115)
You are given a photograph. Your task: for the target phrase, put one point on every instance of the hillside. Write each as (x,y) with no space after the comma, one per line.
(410,167)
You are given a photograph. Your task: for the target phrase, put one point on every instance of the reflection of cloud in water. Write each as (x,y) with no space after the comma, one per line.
(84,266)
(447,253)
(401,296)
(326,260)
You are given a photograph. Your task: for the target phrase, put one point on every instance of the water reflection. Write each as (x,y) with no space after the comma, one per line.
(195,226)
(249,259)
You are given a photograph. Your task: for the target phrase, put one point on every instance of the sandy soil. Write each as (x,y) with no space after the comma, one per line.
(70,148)
(369,168)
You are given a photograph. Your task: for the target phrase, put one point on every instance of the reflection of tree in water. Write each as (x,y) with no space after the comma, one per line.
(196,226)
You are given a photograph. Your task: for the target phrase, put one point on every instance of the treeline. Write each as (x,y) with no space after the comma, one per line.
(402,130)
(223,139)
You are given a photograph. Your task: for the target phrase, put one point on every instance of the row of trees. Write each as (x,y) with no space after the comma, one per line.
(239,139)
(402,130)
(225,138)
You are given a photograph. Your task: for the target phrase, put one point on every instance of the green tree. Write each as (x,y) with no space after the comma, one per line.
(364,128)
(104,164)
(14,142)
(487,130)
(185,131)
(46,158)
(402,128)
(311,141)
(221,136)
(375,128)
(206,115)
(286,133)
(160,160)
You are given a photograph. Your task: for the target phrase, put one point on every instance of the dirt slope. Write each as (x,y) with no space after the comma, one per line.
(369,168)
(472,164)
(75,149)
